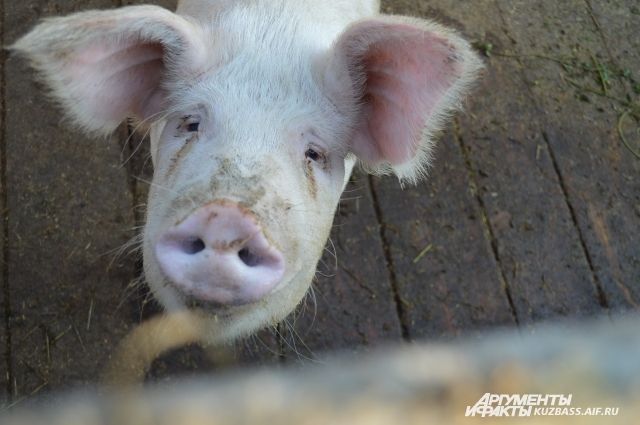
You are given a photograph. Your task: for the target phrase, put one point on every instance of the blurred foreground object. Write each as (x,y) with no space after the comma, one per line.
(597,365)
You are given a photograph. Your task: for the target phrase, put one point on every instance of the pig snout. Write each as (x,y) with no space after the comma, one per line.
(220,254)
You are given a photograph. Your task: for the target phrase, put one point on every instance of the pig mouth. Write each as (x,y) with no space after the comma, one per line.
(228,321)
(194,303)
(225,309)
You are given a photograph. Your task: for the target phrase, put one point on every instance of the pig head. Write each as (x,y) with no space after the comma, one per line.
(258,111)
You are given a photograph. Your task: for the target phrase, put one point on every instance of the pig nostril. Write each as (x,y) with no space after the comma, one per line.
(248,257)
(193,246)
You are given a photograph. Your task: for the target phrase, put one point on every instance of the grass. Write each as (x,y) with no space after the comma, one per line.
(625,142)
(422,253)
(605,77)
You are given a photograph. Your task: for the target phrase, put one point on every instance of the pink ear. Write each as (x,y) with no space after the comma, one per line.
(406,74)
(105,66)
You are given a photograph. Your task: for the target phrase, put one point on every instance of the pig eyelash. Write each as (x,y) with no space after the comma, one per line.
(182,121)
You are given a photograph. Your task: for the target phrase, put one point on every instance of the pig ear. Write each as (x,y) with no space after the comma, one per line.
(105,66)
(406,76)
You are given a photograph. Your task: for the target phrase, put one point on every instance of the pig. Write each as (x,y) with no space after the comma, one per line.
(258,111)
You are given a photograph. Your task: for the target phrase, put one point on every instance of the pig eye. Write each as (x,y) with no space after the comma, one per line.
(314,155)
(193,127)
(189,123)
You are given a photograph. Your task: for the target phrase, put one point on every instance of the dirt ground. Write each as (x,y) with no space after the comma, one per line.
(531,212)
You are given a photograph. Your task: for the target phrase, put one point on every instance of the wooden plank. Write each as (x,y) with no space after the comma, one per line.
(585,375)
(446,276)
(618,22)
(598,173)
(69,206)
(167,4)
(4,340)
(352,302)
(538,246)
(456,285)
